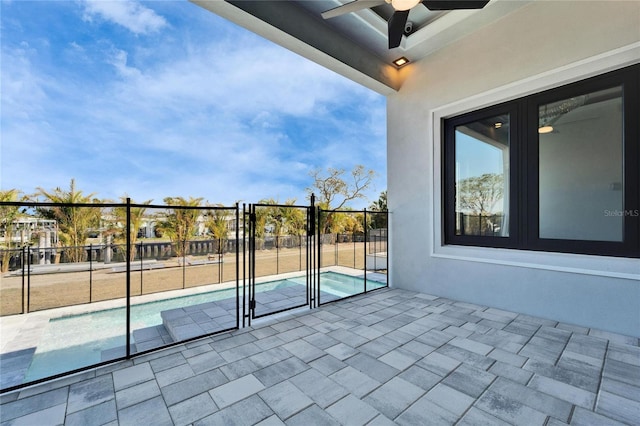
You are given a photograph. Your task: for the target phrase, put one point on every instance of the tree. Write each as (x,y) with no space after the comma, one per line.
(217,223)
(136,219)
(73,222)
(333,191)
(378,218)
(180,224)
(8,214)
(479,194)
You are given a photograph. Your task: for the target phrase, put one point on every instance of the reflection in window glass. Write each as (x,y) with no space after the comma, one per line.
(482,177)
(581,167)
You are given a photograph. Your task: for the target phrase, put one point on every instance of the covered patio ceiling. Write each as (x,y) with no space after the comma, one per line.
(355,44)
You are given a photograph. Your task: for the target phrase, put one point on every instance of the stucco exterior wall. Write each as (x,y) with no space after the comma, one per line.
(541,45)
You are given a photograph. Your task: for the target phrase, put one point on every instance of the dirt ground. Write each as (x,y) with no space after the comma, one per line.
(48,291)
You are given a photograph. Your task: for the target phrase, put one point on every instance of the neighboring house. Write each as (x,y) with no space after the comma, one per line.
(521,90)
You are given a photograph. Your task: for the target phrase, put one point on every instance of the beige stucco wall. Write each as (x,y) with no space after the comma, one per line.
(541,45)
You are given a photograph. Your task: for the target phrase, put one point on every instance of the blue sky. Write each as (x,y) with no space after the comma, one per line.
(163,98)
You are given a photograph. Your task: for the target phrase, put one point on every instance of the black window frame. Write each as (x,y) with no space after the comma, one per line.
(524,170)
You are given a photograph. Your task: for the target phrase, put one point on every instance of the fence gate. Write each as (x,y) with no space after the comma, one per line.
(279,260)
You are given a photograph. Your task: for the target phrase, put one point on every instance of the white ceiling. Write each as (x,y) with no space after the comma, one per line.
(356,40)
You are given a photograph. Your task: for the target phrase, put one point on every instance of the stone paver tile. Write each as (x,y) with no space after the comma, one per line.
(33,404)
(554,334)
(132,376)
(263,332)
(47,386)
(618,408)
(508,357)
(477,417)
(400,359)
(271,421)
(313,415)
(583,381)
(564,391)
(438,363)
(594,347)
(621,371)
(236,390)
(345,336)
(322,390)
(582,417)
(378,346)
(394,397)
(354,381)
(425,413)
(352,411)
(327,365)
(624,353)
(138,393)
(372,367)
(510,372)
(244,413)
(418,348)
(269,342)
(90,392)
(280,371)
(381,420)
(205,361)
(166,362)
(96,414)
(239,368)
(469,380)
(304,350)
(614,337)
(192,386)
(192,409)
(320,340)
(270,357)
(529,396)
(435,338)
(51,415)
(579,363)
(450,399)
(466,356)
(150,412)
(420,377)
(296,333)
(471,345)
(341,351)
(174,374)
(285,399)
(240,352)
(509,410)
(620,388)
(232,342)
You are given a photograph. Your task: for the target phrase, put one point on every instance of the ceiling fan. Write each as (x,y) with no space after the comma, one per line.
(401,8)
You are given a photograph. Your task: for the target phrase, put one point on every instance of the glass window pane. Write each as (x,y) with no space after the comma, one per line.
(482,177)
(581,189)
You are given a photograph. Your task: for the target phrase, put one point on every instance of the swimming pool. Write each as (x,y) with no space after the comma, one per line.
(76,341)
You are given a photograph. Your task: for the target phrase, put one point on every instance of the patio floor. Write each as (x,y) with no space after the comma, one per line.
(390,356)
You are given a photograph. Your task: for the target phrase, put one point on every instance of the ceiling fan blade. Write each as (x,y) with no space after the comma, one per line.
(354,6)
(396,27)
(454,4)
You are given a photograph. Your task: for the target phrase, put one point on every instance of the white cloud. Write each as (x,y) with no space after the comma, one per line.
(128,13)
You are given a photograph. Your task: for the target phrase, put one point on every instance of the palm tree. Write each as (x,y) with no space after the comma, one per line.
(73,222)
(218,224)
(180,224)
(8,215)
(136,218)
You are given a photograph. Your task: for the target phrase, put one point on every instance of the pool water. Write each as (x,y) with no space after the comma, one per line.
(77,341)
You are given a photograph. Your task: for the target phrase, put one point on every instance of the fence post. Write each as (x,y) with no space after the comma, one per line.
(141,252)
(128,260)
(90,271)
(28,279)
(22,259)
(365,250)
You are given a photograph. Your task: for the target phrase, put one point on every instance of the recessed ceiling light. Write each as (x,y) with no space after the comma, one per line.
(400,62)
(545,129)
(497,125)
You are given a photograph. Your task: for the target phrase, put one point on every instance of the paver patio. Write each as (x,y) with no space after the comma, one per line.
(390,356)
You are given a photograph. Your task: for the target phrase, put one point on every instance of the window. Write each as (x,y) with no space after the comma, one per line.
(555,171)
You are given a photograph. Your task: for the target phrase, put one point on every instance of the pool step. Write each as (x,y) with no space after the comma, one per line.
(198,320)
